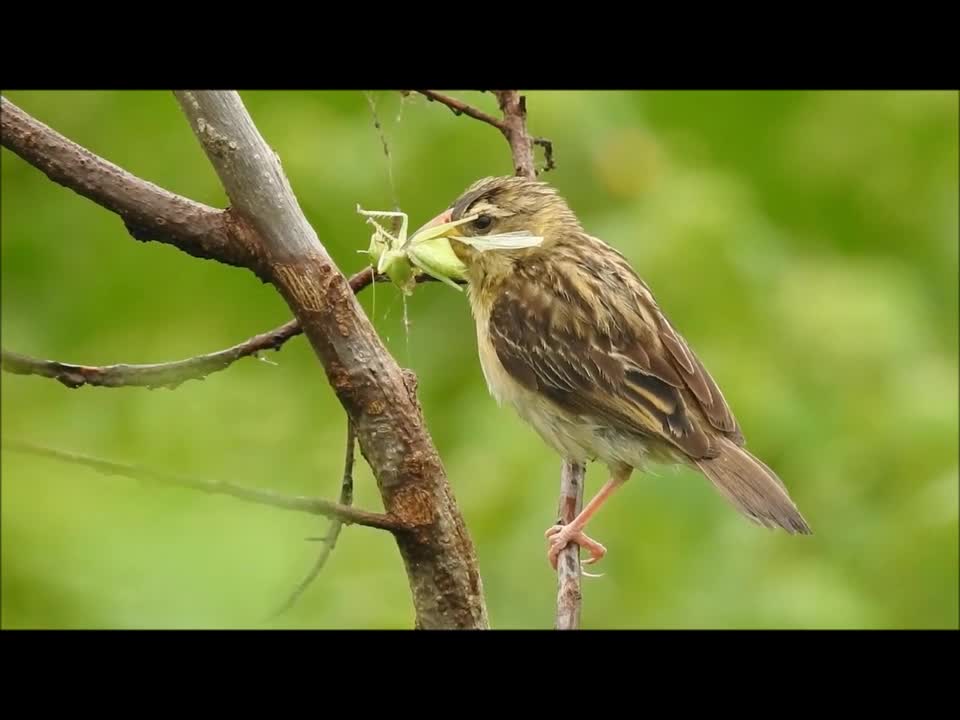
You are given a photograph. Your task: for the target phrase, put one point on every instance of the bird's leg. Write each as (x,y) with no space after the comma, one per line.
(561,535)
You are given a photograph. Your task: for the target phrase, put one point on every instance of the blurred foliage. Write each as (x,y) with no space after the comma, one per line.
(805,243)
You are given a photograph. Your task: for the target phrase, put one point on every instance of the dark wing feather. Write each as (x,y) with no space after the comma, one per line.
(697,379)
(588,335)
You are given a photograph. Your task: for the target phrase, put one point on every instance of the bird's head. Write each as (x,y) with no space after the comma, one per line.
(504,205)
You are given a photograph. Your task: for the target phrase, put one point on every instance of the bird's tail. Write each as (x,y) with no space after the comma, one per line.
(753,489)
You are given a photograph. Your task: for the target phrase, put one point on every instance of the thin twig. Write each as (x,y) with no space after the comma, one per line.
(459,107)
(568,562)
(171,374)
(514,128)
(336,525)
(314,506)
(514,109)
(168,375)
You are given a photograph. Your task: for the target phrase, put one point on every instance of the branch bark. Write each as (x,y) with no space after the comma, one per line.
(569,598)
(572,475)
(379,398)
(171,374)
(266,232)
(149,213)
(514,129)
(315,506)
(514,108)
(458,107)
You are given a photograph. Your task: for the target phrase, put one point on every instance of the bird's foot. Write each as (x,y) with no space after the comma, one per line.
(562,535)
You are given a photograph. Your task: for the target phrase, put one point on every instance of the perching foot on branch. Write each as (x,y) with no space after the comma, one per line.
(562,535)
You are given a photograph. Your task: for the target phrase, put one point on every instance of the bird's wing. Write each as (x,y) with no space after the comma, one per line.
(590,336)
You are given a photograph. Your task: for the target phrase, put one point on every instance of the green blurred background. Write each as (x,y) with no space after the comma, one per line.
(805,243)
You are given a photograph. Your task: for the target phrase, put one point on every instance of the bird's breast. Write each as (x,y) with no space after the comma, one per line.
(563,433)
(503,388)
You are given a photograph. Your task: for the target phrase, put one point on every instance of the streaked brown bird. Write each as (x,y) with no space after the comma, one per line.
(571,337)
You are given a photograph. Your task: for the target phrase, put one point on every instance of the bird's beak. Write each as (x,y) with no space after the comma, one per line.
(441,219)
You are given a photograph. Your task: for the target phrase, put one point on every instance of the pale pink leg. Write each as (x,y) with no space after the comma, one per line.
(562,535)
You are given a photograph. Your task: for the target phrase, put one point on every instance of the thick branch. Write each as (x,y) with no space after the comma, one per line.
(438,554)
(149,212)
(314,506)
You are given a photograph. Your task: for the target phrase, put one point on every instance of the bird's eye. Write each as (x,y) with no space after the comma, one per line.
(483,222)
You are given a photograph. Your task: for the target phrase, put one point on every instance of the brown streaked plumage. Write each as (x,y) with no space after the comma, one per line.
(571,337)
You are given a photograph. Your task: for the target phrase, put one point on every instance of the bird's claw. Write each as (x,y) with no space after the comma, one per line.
(562,535)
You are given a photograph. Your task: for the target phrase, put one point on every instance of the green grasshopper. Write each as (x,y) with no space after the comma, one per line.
(429,249)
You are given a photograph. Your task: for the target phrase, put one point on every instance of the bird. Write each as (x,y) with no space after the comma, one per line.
(572,338)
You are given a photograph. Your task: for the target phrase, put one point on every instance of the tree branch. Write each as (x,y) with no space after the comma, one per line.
(438,553)
(568,563)
(514,109)
(149,212)
(336,525)
(513,126)
(461,108)
(171,374)
(265,231)
(514,129)
(314,506)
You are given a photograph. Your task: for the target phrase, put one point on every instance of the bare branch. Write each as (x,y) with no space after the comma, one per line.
(568,562)
(438,554)
(514,109)
(513,127)
(169,375)
(149,212)
(336,525)
(461,108)
(314,506)
(266,232)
